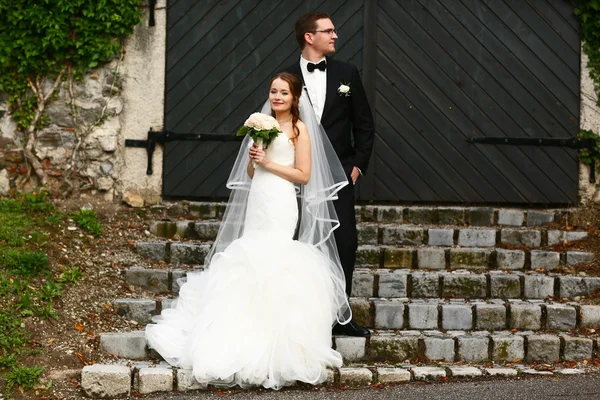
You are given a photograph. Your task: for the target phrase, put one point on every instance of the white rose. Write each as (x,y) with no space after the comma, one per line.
(344,89)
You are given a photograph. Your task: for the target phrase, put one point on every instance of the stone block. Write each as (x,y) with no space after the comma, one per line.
(517,237)
(151,380)
(189,253)
(106,381)
(178,278)
(471,286)
(355,377)
(207,230)
(164,229)
(152,250)
(425,285)
(361,311)
(402,235)
(465,372)
(451,216)
(392,375)
(431,258)
(470,237)
(389,315)
(579,257)
(538,286)
(572,286)
(501,371)
(368,256)
(547,260)
(428,373)
(510,259)
(389,214)
(525,316)
(481,216)
(560,317)
(150,280)
(368,214)
(423,315)
(537,218)
(439,348)
(203,210)
(363,283)
(395,257)
(508,348)
(168,303)
(393,349)
(490,317)
(139,310)
(577,348)
(393,283)
(543,348)
(186,380)
(422,215)
(510,217)
(505,286)
(441,237)
(351,348)
(590,317)
(457,317)
(473,348)
(131,345)
(559,237)
(462,258)
(367,234)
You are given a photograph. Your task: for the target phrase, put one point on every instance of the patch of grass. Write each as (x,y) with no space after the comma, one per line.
(71,275)
(88,220)
(24,377)
(25,263)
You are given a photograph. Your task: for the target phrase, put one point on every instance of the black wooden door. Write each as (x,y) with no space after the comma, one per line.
(437,72)
(220,58)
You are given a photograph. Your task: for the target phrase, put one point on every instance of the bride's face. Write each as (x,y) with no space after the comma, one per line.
(280,96)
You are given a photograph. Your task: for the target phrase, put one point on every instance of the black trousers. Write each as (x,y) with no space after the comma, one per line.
(345,236)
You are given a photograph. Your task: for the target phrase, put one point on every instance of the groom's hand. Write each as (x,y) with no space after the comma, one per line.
(354,175)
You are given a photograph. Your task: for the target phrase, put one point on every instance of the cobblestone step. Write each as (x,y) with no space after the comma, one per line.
(402,256)
(426,215)
(118,380)
(401,234)
(453,314)
(387,346)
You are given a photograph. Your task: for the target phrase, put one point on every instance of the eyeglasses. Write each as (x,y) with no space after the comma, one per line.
(327,31)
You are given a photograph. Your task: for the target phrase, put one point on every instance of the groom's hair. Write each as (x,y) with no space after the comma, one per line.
(307,23)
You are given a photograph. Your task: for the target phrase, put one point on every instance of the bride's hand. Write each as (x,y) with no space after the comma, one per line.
(258,155)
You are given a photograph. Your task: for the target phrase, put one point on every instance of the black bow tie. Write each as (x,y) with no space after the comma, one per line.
(312,66)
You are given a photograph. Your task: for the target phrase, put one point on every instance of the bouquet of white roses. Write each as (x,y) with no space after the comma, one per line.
(262,128)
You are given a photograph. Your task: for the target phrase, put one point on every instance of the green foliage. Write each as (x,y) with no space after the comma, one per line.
(24,263)
(24,377)
(71,275)
(588,12)
(38,38)
(589,156)
(88,220)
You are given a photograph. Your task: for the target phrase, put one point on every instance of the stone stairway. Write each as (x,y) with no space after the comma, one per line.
(447,284)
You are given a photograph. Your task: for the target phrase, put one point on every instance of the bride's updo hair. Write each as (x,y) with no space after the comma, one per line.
(296,89)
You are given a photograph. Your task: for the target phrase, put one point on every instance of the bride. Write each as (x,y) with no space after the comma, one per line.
(261,312)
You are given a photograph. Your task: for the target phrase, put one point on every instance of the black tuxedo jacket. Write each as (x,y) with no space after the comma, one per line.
(345,117)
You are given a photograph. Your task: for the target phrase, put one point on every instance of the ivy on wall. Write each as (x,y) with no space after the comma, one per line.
(46,42)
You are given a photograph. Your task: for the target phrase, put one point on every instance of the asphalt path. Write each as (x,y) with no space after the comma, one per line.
(571,387)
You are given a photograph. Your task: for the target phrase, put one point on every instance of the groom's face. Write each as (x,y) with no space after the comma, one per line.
(324,39)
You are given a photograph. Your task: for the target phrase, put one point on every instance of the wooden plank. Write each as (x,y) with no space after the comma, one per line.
(566,32)
(178,9)
(565,10)
(493,53)
(477,101)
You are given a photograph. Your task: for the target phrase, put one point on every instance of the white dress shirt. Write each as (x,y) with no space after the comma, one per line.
(316,85)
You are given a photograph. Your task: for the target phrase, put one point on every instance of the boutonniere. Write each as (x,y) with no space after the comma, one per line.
(344,89)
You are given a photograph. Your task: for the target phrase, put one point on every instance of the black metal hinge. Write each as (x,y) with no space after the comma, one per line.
(162,137)
(571,142)
(151,5)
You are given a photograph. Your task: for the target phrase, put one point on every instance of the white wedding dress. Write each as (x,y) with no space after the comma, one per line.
(262,313)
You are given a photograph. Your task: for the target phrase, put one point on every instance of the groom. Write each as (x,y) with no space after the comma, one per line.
(339,100)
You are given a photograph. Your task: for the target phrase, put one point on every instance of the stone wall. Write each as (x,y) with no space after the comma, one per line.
(589,119)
